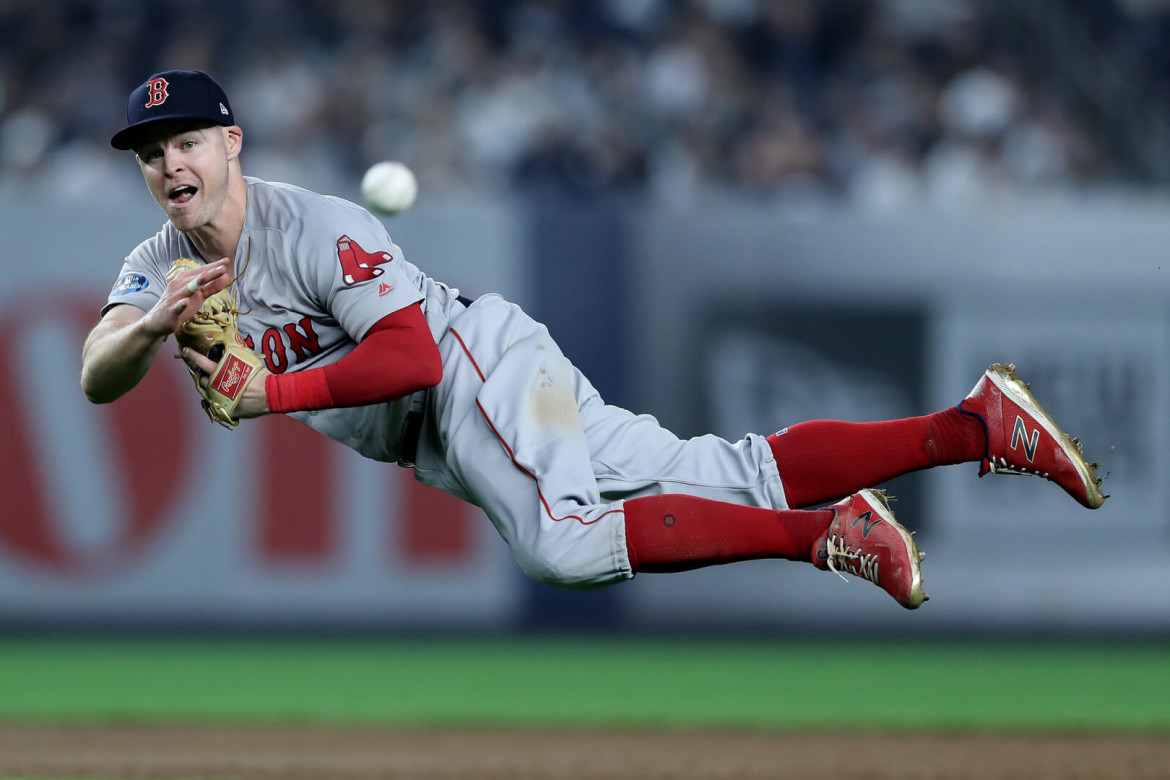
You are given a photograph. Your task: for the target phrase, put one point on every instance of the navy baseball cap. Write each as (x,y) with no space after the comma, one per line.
(171,95)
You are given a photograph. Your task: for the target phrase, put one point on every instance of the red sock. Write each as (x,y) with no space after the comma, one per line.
(678,533)
(824,460)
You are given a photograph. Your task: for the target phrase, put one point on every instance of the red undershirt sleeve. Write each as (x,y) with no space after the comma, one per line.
(397,357)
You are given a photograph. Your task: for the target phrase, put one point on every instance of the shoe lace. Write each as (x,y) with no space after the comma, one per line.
(838,552)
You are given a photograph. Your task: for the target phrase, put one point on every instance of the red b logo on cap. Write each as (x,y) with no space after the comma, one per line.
(157,89)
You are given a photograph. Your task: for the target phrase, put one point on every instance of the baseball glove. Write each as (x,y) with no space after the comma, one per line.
(212,331)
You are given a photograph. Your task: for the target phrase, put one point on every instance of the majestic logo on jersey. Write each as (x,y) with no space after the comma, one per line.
(130,283)
(358,265)
(385,289)
(1020,436)
(231,377)
(156,91)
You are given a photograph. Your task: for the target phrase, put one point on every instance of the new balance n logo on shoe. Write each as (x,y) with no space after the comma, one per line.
(1020,436)
(870,522)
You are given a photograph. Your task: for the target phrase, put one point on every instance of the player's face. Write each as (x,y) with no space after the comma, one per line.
(187,173)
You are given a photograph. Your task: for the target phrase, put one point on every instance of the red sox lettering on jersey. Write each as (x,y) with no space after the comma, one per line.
(302,341)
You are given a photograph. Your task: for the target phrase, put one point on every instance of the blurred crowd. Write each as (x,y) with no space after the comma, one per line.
(881,103)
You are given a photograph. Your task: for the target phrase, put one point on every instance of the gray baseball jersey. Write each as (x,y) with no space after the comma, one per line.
(513,426)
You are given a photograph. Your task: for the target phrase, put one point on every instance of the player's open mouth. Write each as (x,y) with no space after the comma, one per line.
(182,194)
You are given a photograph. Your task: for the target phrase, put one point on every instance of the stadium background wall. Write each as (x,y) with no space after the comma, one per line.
(824,315)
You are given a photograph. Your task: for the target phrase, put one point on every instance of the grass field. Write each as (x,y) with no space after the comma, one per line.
(583,709)
(794,685)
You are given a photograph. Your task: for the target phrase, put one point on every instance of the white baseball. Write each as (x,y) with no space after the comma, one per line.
(389,187)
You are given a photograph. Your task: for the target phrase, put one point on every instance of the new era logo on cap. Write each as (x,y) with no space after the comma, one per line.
(173,95)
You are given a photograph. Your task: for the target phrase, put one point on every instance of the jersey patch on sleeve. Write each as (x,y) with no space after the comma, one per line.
(130,283)
(358,265)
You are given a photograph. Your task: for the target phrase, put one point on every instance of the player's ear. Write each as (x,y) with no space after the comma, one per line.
(233,139)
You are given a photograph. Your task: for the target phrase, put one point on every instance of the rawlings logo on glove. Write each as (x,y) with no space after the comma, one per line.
(213,332)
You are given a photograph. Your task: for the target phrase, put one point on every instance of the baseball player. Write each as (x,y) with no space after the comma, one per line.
(352,339)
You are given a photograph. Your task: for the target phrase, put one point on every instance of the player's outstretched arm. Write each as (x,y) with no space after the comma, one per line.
(396,357)
(121,348)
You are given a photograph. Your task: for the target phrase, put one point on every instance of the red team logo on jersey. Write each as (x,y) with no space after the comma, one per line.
(157,90)
(357,265)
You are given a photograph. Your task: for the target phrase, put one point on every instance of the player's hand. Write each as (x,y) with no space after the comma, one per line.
(183,297)
(254,401)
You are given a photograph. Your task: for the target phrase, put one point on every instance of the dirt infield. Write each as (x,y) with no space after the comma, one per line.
(314,752)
